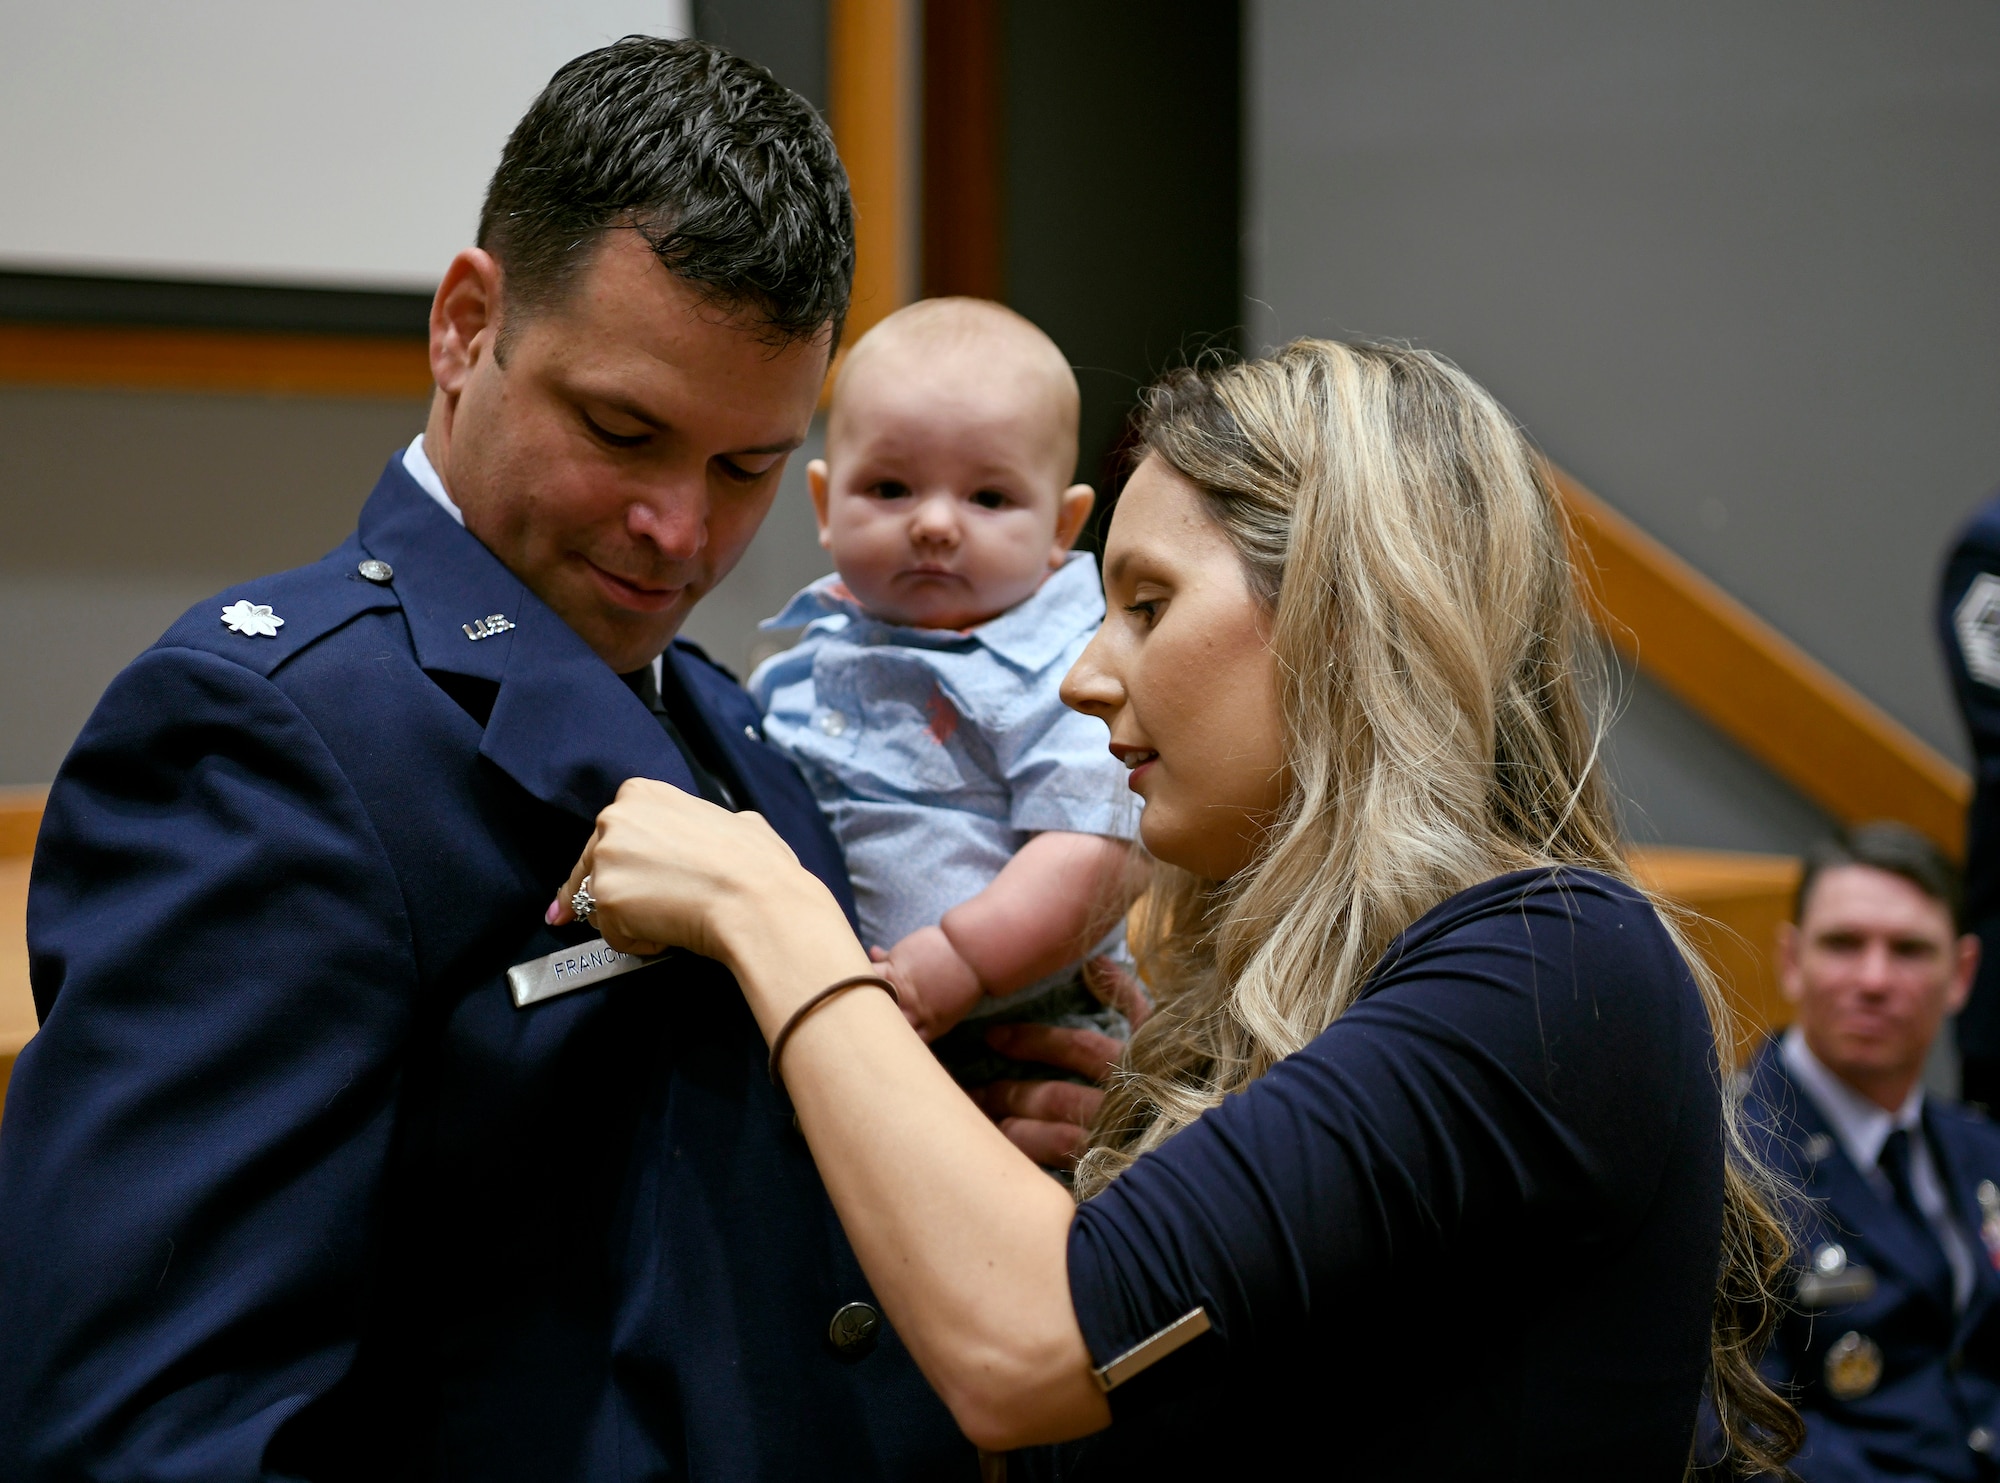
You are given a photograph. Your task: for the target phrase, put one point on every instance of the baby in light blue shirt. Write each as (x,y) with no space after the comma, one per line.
(987,827)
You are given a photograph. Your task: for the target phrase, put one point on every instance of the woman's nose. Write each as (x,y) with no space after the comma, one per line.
(1090,686)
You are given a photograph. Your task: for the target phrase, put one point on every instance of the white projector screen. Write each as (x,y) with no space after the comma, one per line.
(287,141)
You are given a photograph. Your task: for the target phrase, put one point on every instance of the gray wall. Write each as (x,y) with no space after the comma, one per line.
(121,510)
(1736,267)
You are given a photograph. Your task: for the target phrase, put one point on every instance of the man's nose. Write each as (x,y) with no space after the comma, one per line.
(1876,974)
(672,517)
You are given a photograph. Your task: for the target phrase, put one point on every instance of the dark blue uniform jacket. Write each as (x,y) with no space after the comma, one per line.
(1978,553)
(1939,1373)
(288,1187)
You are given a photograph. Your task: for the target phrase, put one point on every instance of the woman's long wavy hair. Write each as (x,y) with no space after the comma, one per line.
(1439,730)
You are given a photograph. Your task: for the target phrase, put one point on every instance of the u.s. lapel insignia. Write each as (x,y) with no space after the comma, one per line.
(485,628)
(1853,1366)
(252,620)
(1818,1148)
(1988,1195)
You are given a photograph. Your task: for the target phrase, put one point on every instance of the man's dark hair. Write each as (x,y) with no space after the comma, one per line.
(1895,849)
(729,175)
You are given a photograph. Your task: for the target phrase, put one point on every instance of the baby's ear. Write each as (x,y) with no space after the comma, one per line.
(1071,512)
(816,487)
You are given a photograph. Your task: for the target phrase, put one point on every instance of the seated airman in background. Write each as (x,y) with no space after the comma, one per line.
(1893,1345)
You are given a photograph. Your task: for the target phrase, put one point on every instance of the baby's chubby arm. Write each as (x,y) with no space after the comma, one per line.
(1051,903)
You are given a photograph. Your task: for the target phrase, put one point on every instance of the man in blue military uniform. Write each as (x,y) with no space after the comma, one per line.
(289,1185)
(1892,1349)
(1968,623)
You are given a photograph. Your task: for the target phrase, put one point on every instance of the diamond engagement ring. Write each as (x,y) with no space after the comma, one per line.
(583,903)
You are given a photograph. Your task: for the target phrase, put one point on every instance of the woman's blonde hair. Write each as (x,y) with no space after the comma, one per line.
(1433,661)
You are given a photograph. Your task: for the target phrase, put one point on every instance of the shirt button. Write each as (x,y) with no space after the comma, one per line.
(854,1330)
(1979,1439)
(833,723)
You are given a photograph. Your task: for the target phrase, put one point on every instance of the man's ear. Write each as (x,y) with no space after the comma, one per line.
(1071,512)
(1791,979)
(465,318)
(816,487)
(1963,972)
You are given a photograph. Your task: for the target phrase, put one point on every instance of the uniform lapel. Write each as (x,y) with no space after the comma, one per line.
(773,784)
(1961,1182)
(563,726)
(1875,1229)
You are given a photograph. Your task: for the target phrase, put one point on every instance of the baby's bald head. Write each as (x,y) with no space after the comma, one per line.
(945,494)
(972,354)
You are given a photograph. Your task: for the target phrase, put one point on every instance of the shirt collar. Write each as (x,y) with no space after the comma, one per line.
(1861,1126)
(1030,635)
(417,464)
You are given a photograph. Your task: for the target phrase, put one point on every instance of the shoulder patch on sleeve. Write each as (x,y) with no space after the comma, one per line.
(1977,625)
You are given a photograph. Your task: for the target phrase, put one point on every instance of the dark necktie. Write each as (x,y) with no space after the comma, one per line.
(644,685)
(1895,1164)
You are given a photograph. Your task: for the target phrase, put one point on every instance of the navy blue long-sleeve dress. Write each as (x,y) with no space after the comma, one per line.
(1473,1230)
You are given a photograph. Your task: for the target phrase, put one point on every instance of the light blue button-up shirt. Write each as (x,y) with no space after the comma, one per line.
(937,753)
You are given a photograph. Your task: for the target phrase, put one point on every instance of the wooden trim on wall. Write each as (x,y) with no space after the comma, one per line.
(254,363)
(962,122)
(1755,685)
(871,69)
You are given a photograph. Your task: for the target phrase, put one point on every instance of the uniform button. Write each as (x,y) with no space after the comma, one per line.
(1979,1439)
(751,732)
(833,723)
(376,571)
(1830,1260)
(854,1330)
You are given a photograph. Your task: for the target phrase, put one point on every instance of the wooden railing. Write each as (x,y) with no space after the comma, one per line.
(20,817)
(1756,686)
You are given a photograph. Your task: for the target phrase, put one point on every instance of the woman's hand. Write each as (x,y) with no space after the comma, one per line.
(1049,1121)
(669,870)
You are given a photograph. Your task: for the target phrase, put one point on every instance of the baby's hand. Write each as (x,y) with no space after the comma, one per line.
(937,986)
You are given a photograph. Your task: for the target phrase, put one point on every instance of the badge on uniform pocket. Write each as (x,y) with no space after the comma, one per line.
(1853,1366)
(1832,1281)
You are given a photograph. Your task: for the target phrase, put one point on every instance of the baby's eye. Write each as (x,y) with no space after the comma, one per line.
(889,489)
(990,499)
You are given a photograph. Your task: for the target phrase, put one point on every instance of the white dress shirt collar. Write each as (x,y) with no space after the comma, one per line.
(1861,1126)
(417,464)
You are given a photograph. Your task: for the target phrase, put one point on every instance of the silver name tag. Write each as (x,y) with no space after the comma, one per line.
(568,969)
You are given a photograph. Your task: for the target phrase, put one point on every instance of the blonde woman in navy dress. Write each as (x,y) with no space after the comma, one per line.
(1422,1166)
